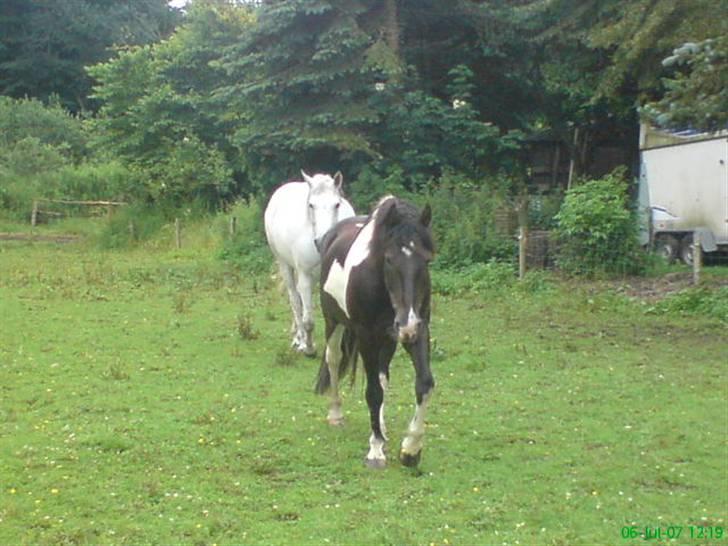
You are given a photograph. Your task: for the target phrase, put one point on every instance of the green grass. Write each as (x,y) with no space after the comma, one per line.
(148,397)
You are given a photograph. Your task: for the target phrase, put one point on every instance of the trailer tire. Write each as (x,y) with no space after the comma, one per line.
(686,250)
(667,246)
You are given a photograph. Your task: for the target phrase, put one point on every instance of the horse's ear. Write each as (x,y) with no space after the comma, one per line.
(306,177)
(426,216)
(388,214)
(338,180)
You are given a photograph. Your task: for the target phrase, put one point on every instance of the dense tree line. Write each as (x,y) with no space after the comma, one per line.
(232,97)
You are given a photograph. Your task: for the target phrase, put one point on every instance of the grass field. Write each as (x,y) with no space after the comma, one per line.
(148,397)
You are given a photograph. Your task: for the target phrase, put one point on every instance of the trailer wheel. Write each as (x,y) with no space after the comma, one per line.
(686,250)
(667,246)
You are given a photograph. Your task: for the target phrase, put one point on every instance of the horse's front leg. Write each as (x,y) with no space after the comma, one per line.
(305,289)
(376,355)
(419,351)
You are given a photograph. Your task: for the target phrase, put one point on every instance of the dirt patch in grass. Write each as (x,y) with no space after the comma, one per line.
(656,288)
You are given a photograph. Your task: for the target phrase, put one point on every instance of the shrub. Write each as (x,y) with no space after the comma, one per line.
(146,220)
(463,223)
(91,181)
(597,231)
(185,171)
(371,185)
(50,125)
(247,248)
(28,170)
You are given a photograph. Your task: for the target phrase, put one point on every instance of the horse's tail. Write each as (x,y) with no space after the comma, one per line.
(349,354)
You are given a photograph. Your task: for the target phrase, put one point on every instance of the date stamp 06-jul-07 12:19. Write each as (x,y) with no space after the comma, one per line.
(674,532)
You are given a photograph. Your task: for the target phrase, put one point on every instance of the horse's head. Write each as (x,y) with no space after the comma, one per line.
(408,249)
(324,202)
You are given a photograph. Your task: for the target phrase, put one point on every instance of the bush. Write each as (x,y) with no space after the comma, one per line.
(31,170)
(247,248)
(597,231)
(371,185)
(185,171)
(50,125)
(463,223)
(93,181)
(28,170)
(147,220)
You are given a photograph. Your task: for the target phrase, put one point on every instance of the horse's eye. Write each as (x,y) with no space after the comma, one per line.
(337,206)
(310,205)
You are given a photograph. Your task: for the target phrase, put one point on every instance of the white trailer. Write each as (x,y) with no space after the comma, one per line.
(684,186)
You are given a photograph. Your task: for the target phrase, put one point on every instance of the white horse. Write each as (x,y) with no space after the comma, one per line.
(297,216)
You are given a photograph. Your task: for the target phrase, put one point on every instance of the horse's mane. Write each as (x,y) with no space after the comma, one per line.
(401,224)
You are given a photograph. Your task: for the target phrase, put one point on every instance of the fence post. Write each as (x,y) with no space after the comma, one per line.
(233,225)
(34,214)
(697,258)
(178,232)
(132,231)
(522,213)
(522,251)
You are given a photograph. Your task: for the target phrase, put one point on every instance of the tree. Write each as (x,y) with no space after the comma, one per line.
(45,44)
(158,114)
(301,80)
(602,59)
(696,94)
(353,83)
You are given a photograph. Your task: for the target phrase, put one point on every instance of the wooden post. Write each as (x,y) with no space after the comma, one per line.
(132,231)
(522,251)
(34,214)
(233,225)
(522,213)
(178,232)
(697,258)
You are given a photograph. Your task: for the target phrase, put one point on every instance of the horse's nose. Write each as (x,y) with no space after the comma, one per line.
(406,333)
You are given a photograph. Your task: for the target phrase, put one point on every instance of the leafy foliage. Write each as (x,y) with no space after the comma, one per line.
(131,224)
(247,247)
(49,124)
(44,45)
(597,230)
(697,93)
(44,155)
(159,118)
(464,223)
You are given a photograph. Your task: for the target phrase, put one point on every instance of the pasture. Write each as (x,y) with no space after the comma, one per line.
(149,396)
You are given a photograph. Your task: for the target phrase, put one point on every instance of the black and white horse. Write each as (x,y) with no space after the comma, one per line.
(375,291)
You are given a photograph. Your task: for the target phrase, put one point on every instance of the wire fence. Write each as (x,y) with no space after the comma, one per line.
(543,250)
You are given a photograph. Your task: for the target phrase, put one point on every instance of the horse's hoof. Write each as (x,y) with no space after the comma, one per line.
(336,421)
(309,353)
(408,459)
(376,464)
